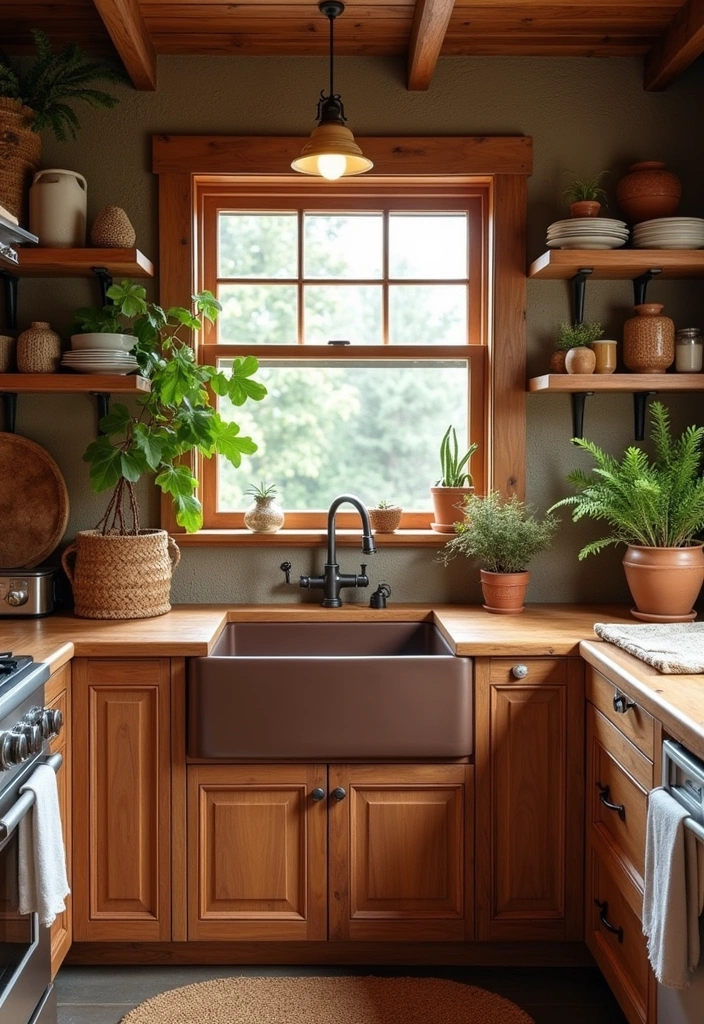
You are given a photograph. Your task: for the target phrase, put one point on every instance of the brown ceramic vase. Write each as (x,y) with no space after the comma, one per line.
(649,191)
(557,361)
(580,359)
(447,507)
(648,340)
(664,582)
(504,592)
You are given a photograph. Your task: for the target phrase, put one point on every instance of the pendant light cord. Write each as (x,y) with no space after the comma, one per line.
(332,23)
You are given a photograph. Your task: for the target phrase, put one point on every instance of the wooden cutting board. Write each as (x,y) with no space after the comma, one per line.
(33,503)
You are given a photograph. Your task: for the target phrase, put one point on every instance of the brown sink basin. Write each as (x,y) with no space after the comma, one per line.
(330,691)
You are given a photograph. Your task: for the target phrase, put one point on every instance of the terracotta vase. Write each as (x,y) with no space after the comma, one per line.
(580,359)
(38,349)
(585,208)
(504,592)
(664,582)
(557,361)
(447,507)
(264,515)
(385,520)
(648,340)
(649,191)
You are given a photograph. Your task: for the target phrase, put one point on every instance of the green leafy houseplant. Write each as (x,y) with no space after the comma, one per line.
(586,190)
(455,468)
(262,491)
(175,418)
(578,334)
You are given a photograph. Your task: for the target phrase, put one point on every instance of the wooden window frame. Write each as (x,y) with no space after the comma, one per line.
(184,163)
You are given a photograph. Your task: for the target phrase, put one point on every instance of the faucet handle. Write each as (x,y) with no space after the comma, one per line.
(286,568)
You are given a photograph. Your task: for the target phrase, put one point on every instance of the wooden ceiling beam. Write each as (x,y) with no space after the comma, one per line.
(678,46)
(128,31)
(430,23)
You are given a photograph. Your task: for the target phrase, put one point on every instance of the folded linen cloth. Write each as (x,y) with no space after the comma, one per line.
(673,896)
(674,647)
(43,884)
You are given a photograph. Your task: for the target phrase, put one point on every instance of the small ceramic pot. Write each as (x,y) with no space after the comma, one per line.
(649,191)
(605,351)
(585,208)
(557,361)
(504,592)
(38,349)
(648,340)
(580,360)
(264,515)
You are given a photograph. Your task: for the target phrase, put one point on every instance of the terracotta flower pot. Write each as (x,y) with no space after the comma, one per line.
(447,507)
(664,582)
(385,520)
(504,592)
(648,340)
(585,208)
(649,191)
(580,359)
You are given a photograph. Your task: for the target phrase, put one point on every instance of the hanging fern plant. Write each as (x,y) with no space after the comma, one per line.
(53,81)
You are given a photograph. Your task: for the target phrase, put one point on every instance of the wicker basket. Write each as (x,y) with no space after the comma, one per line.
(20,156)
(117,576)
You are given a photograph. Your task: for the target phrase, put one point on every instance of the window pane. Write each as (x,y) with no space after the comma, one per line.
(350,312)
(344,247)
(260,314)
(426,246)
(372,428)
(432,314)
(258,245)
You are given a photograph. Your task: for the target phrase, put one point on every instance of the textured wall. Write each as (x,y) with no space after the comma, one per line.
(584,115)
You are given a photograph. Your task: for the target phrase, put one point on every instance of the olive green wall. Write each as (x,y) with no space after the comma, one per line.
(584,115)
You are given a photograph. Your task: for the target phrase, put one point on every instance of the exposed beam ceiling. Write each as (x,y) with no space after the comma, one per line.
(430,23)
(125,24)
(680,44)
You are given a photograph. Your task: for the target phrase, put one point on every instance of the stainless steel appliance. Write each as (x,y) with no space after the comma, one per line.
(683,778)
(27,592)
(26,725)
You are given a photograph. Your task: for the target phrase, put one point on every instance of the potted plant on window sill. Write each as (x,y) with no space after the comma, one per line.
(504,536)
(657,510)
(385,517)
(454,485)
(118,570)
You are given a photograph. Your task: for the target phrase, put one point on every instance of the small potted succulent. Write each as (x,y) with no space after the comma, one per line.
(572,353)
(385,517)
(585,196)
(264,515)
(504,535)
(454,484)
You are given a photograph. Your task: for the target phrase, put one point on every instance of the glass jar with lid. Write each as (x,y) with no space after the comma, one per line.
(689,350)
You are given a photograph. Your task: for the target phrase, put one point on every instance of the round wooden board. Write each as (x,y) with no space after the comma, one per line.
(33,503)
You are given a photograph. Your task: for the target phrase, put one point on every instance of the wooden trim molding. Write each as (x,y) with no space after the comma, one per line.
(128,31)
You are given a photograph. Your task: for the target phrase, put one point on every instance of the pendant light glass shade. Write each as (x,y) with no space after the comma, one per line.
(331,151)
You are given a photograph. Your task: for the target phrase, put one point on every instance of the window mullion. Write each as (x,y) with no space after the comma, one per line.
(301,317)
(385,280)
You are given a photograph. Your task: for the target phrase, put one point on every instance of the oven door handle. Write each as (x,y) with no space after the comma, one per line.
(14,816)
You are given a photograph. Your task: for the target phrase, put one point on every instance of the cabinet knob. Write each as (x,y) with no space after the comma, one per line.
(339,793)
(622,704)
(318,794)
(519,671)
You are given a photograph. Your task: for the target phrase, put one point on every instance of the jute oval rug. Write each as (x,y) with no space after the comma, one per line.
(307,1000)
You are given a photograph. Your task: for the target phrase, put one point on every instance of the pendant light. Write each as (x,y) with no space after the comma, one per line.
(331,150)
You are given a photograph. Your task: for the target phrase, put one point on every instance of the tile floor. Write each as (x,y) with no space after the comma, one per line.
(102,995)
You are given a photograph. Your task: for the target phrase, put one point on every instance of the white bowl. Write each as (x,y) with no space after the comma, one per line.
(115,342)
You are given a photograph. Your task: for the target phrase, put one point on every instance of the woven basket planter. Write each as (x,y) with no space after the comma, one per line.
(20,156)
(385,520)
(117,576)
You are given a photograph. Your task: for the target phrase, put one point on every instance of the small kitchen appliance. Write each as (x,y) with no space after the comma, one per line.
(27,592)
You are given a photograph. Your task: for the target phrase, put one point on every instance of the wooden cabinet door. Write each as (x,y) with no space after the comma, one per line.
(122,809)
(529,756)
(257,852)
(58,697)
(400,852)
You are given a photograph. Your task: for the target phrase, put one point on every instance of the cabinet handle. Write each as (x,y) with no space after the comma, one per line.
(339,793)
(603,911)
(622,704)
(604,797)
(318,794)
(519,671)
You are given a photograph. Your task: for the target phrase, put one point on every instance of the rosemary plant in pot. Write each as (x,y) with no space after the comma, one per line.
(656,509)
(504,535)
(454,484)
(118,570)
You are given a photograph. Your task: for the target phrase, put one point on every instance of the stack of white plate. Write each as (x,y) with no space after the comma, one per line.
(100,361)
(587,233)
(669,233)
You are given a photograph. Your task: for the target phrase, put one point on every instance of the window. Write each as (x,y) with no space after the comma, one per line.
(367,307)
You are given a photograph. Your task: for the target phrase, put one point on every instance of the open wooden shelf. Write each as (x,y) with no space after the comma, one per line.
(69,383)
(81,262)
(618,264)
(571,383)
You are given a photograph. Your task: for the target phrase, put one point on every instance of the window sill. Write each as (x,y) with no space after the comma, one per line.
(308,538)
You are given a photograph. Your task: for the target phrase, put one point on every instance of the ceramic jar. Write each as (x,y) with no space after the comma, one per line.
(580,360)
(605,351)
(57,208)
(264,515)
(649,191)
(648,340)
(38,349)
(7,353)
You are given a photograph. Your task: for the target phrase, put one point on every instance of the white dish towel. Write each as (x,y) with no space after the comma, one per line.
(43,885)
(674,891)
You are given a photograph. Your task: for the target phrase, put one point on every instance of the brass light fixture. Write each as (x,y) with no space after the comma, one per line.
(331,150)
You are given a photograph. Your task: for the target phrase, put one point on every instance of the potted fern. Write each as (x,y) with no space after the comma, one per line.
(655,508)
(504,535)
(585,196)
(39,97)
(455,482)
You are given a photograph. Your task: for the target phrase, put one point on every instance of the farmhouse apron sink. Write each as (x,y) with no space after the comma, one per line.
(330,691)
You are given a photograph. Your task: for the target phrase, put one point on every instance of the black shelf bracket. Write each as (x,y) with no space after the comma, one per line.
(104,282)
(640,404)
(579,287)
(578,400)
(640,286)
(103,403)
(10,287)
(9,401)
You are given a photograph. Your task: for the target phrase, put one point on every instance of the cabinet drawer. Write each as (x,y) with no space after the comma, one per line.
(619,775)
(540,670)
(59,703)
(615,938)
(58,683)
(635,723)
